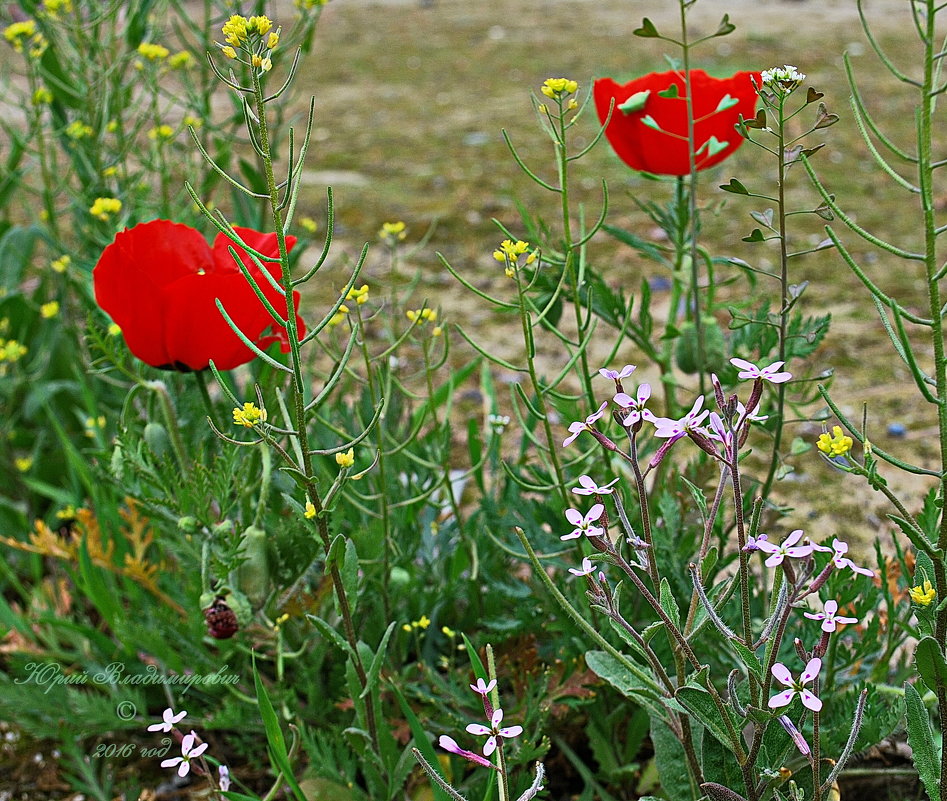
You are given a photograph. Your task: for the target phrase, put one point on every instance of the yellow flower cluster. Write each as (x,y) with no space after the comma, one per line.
(421,315)
(249,416)
(510,252)
(49,310)
(61,264)
(11,350)
(162,132)
(153,52)
(104,207)
(42,96)
(246,33)
(77,129)
(310,510)
(836,443)
(180,60)
(308,224)
(359,295)
(346,459)
(52,7)
(23,463)
(923,595)
(393,232)
(421,623)
(558,87)
(18,34)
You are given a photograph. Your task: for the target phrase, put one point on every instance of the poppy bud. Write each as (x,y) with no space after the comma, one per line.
(253,575)
(157,440)
(687,354)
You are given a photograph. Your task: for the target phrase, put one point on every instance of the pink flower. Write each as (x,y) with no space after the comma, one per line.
(494,731)
(589,487)
(587,567)
(583,425)
(224,780)
(169,719)
(796,686)
(583,524)
(829,617)
(666,427)
(482,687)
(188,752)
(786,548)
(618,375)
(636,406)
(771,373)
(841,561)
(449,744)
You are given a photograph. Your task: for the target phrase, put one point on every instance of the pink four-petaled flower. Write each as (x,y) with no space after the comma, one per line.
(666,427)
(583,425)
(796,686)
(188,752)
(786,548)
(482,688)
(829,616)
(618,375)
(494,731)
(583,523)
(450,744)
(589,487)
(635,407)
(771,373)
(169,719)
(587,567)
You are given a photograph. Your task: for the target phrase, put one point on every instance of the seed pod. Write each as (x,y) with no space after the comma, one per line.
(686,353)
(253,575)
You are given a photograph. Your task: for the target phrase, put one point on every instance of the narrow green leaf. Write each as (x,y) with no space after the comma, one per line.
(274,737)
(930,663)
(669,603)
(750,659)
(421,741)
(377,661)
(921,740)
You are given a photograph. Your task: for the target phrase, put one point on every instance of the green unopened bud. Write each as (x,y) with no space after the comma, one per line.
(222,528)
(239,603)
(253,576)
(399,578)
(188,524)
(157,439)
(688,355)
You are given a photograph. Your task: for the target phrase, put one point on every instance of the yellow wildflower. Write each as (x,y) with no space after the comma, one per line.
(421,623)
(181,59)
(163,132)
(267,64)
(260,25)
(421,315)
(152,51)
(59,265)
(406,627)
(17,33)
(836,443)
(42,96)
(339,316)
(105,207)
(114,329)
(249,415)
(53,7)
(393,232)
(448,632)
(346,459)
(78,130)
(235,30)
(437,331)
(23,463)
(359,295)
(49,310)
(69,513)
(557,87)
(229,52)
(11,350)
(256,61)
(310,510)
(308,224)
(272,40)
(109,171)
(923,595)
(192,122)
(112,126)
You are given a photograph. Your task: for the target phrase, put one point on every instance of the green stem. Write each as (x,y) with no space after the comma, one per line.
(171,422)
(299,410)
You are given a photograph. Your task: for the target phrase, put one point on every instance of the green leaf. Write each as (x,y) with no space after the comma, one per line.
(735,187)
(750,659)
(274,736)
(635,102)
(725,26)
(647,30)
(350,575)
(421,741)
(671,762)
(330,633)
(607,667)
(377,661)
(756,235)
(699,703)
(921,740)
(479,670)
(930,663)
(669,604)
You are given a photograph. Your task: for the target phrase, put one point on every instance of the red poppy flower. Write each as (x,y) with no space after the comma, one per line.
(158,281)
(650,132)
